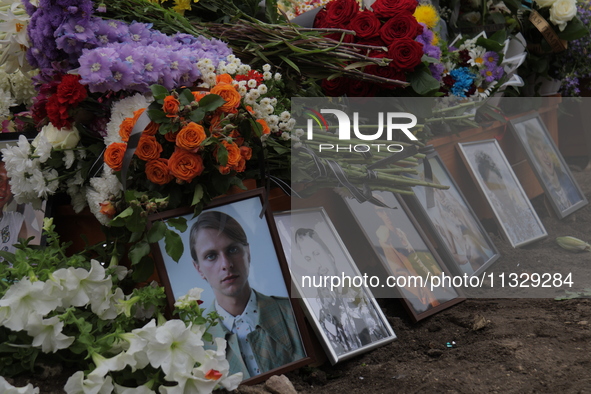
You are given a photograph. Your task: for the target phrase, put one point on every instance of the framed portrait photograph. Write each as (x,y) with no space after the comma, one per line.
(464,241)
(495,178)
(405,253)
(563,192)
(345,315)
(17,220)
(234,255)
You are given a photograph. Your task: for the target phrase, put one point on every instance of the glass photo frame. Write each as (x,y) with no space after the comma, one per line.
(495,178)
(464,241)
(560,187)
(345,316)
(232,252)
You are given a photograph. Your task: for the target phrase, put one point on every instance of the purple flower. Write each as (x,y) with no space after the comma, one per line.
(95,68)
(491,72)
(491,57)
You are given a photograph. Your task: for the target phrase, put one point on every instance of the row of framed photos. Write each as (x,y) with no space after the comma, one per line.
(263,260)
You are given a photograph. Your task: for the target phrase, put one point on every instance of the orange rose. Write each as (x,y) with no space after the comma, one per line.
(241,165)
(224,78)
(158,172)
(108,209)
(246,152)
(114,155)
(170,137)
(236,137)
(233,153)
(250,110)
(185,165)
(230,95)
(224,170)
(199,95)
(190,137)
(137,114)
(125,128)
(263,122)
(148,148)
(171,106)
(215,123)
(151,128)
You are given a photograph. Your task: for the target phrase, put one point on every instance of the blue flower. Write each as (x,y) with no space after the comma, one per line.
(463,81)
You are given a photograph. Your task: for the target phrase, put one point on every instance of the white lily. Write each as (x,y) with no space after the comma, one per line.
(94,384)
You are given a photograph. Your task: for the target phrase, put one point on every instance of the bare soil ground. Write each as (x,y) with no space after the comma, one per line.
(501,345)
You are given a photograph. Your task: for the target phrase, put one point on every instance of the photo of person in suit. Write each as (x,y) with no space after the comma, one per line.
(260,330)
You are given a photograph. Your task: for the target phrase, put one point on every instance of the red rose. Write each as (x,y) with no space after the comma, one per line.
(390,8)
(405,54)
(340,12)
(403,25)
(341,37)
(365,24)
(320,20)
(70,91)
(359,88)
(335,87)
(57,112)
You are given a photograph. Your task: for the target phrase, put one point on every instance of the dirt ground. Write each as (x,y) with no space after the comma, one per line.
(527,345)
(501,345)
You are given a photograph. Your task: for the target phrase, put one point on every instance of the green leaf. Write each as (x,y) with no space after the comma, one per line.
(173,245)
(178,223)
(186,97)
(211,102)
(157,116)
(119,220)
(138,251)
(156,232)
(271,11)
(143,269)
(501,35)
(159,91)
(489,44)
(197,195)
(222,155)
(256,127)
(423,82)
(197,115)
(575,29)
(291,64)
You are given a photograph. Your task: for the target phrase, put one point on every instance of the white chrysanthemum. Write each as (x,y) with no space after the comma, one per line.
(254,94)
(252,83)
(243,69)
(123,109)
(102,189)
(242,90)
(77,196)
(4,80)
(210,78)
(299,132)
(284,116)
(268,109)
(262,89)
(297,145)
(277,77)
(273,120)
(249,100)
(265,101)
(50,176)
(285,136)
(69,157)
(6,101)
(231,68)
(267,76)
(22,87)
(222,69)
(231,57)
(266,67)
(274,101)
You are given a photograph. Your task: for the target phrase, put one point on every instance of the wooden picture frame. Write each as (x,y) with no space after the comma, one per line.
(25,217)
(560,187)
(345,316)
(407,256)
(234,261)
(499,185)
(464,241)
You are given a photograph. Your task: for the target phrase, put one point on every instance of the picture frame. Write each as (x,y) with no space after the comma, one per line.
(560,187)
(513,212)
(405,253)
(464,241)
(241,267)
(347,319)
(24,217)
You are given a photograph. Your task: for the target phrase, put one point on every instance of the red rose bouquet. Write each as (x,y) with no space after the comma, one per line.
(390,31)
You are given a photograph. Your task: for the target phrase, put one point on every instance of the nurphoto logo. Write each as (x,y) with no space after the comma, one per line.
(389,121)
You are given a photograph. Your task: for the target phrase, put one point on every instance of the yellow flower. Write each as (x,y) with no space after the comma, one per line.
(427,14)
(180,6)
(435,40)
